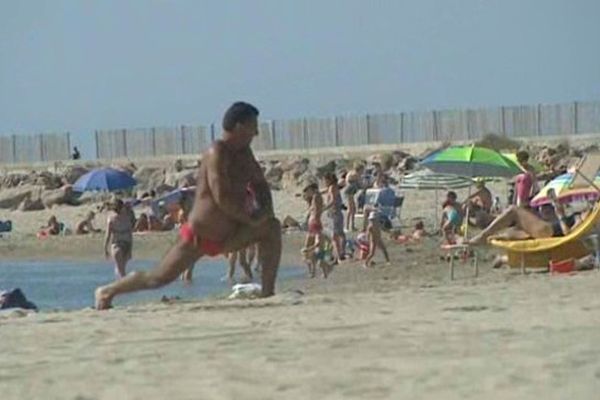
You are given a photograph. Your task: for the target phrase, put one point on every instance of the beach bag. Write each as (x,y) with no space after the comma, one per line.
(15,299)
(5,226)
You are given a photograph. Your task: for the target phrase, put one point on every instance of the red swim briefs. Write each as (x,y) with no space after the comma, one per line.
(315,227)
(206,246)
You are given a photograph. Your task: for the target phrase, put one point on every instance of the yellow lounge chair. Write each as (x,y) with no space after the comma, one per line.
(537,253)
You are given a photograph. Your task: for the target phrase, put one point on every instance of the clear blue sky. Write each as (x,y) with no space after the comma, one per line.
(83,65)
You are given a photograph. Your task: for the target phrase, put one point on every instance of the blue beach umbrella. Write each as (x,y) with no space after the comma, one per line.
(104,179)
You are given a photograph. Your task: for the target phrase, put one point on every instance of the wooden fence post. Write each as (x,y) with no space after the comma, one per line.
(14,148)
(575,116)
(273,136)
(125,142)
(97,144)
(368,129)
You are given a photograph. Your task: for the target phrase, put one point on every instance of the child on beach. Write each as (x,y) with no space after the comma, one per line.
(416,236)
(316,256)
(86,225)
(375,239)
(451,218)
(314,199)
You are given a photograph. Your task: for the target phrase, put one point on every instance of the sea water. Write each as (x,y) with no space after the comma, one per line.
(68,285)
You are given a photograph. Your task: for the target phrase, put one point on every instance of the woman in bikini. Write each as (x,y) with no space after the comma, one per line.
(118,243)
(518,223)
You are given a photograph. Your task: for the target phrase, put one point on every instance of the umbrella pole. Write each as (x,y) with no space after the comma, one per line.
(437,215)
(467,217)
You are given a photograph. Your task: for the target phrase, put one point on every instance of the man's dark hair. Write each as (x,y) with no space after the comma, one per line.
(522,156)
(451,195)
(311,186)
(238,112)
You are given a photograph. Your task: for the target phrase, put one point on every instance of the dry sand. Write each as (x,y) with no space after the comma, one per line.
(400,331)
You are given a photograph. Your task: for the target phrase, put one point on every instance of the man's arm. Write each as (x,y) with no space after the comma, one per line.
(261,188)
(217,164)
(107,237)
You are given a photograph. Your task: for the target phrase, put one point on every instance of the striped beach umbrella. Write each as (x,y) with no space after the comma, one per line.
(471,161)
(565,193)
(428,180)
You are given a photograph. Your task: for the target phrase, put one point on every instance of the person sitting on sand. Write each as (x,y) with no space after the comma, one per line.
(375,239)
(142,224)
(219,221)
(118,242)
(317,254)
(451,218)
(51,228)
(86,225)
(479,206)
(519,223)
(416,236)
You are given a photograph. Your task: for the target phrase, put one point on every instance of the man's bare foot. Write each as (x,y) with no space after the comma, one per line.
(102,299)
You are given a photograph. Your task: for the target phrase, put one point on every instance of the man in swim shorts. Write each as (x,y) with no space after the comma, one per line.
(220,220)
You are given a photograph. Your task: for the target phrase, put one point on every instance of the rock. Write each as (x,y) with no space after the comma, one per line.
(327,168)
(74,172)
(149,178)
(11,198)
(273,172)
(64,195)
(13,180)
(289,222)
(29,204)
(47,179)
(407,164)
(181,179)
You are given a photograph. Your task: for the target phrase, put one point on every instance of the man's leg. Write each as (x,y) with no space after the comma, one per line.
(179,258)
(245,265)
(268,236)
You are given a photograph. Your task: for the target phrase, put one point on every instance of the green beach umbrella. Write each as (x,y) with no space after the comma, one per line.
(471,161)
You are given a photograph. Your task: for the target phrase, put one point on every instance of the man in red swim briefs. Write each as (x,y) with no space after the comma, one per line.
(221,220)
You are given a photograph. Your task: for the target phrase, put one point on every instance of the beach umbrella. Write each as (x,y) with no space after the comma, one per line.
(565,192)
(428,180)
(471,161)
(513,157)
(104,179)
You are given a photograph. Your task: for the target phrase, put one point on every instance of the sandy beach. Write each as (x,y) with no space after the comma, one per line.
(399,331)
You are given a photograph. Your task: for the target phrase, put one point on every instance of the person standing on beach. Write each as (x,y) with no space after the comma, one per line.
(526,182)
(118,242)
(312,196)
(219,221)
(353,178)
(375,239)
(333,206)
